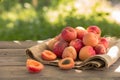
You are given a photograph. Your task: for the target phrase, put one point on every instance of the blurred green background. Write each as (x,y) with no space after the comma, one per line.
(42,19)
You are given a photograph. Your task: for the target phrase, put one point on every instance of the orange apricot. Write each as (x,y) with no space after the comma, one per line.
(90,39)
(69,52)
(94,29)
(48,55)
(66,63)
(86,52)
(68,34)
(34,66)
(51,43)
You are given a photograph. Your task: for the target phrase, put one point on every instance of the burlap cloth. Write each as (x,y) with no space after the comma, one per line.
(98,62)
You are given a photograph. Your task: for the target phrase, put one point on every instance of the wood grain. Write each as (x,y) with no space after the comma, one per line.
(53,73)
(13,67)
(12,52)
(16,44)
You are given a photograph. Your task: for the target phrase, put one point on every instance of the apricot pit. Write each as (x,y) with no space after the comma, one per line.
(66,63)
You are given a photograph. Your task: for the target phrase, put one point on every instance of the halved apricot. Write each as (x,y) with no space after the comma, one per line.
(48,55)
(66,63)
(34,66)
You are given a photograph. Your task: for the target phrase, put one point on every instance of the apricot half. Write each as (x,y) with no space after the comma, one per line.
(48,55)
(34,66)
(66,63)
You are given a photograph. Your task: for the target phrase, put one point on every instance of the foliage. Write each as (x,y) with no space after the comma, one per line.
(20,20)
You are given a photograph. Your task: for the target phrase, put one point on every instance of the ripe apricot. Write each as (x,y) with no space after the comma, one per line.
(58,37)
(86,52)
(69,52)
(59,47)
(66,63)
(90,39)
(100,49)
(68,34)
(104,41)
(80,32)
(94,29)
(34,66)
(48,55)
(51,43)
(77,44)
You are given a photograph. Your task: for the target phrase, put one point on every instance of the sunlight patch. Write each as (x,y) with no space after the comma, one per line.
(18,42)
(78,71)
(117,69)
(116,15)
(10,25)
(27,5)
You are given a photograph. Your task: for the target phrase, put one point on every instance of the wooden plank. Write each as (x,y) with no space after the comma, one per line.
(12,67)
(54,73)
(12,52)
(12,57)
(17,44)
(18,57)
(10,61)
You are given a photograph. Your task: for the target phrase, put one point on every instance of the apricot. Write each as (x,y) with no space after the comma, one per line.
(34,66)
(58,37)
(100,49)
(94,29)
(90,39)
(86,52)
(51,43)
(59,47)
(80,32)
(48,55)
(66,63)
(104,41)
(77,44)
(69,52)
(68,34)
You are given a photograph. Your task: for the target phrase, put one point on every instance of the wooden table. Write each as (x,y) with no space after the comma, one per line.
(13,60)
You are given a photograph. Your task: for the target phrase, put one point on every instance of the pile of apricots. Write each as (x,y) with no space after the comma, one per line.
(73,44)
